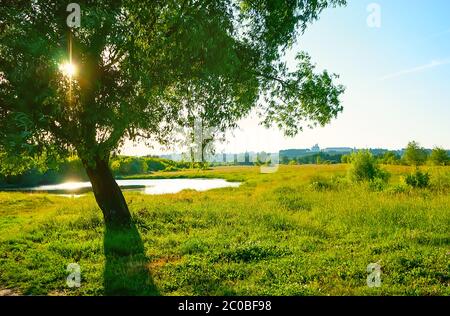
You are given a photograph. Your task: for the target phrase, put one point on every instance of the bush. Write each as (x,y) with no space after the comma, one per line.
(128,166)
(345,159)
(365,167)
(418,179)
(377,185)
(155,164)
(415,155)
(390,158)
(171,168)
(320,184)
(440,181)
(439,157)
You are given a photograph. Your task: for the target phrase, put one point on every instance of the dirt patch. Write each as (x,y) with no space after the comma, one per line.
(57,293)
(7,292)
(158,263)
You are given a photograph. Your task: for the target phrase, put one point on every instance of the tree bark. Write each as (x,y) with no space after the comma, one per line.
(108,195)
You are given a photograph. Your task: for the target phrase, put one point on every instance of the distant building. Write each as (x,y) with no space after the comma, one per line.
(315,148)
(247,158)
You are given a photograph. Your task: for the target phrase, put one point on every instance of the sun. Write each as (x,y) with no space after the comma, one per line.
(68,69)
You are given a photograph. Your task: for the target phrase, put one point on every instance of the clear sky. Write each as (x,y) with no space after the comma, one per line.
(397,79)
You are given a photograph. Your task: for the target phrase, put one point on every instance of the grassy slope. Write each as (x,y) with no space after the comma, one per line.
(273,235)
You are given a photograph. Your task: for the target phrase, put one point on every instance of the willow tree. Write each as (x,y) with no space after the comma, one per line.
(210,108)
(85,90)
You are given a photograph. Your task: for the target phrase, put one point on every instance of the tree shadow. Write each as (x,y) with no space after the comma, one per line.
(126,268)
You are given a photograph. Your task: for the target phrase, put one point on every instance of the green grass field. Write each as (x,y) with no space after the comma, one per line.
(303,230)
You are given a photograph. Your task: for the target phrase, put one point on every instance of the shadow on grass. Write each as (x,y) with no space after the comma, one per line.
(126,268)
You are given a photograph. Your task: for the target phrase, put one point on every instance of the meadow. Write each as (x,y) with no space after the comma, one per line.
(304,230)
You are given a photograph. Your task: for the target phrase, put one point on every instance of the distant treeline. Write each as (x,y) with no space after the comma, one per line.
(313,158)
(412,155)
(71,169)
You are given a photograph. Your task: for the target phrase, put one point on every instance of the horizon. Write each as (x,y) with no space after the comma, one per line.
(322,149)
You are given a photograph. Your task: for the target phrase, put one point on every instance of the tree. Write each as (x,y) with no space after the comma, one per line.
(364,167)
(414,154)
(345,158)
(85,90)
(439,157)
(210,110)
(390,158)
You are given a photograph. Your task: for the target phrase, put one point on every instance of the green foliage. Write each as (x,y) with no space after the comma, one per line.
(414,154)
(439,157)
(314,158)
(377,184)
(440,181)
(72,169)
(418,179)
(156,164)
(320,183)
(290,199)
(171,168)
(390,158)
(135,60)
(397,188)
(364,167)
(234,241)
(345,158)
(250,253)
(127,166)
(211,110)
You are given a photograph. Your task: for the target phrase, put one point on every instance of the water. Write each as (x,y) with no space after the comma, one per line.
(146,186)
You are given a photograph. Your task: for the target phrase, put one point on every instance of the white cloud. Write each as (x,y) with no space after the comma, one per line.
(432,64)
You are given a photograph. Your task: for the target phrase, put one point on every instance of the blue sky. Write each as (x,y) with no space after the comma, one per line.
(397,79)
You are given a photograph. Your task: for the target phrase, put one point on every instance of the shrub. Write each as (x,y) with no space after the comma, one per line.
(440,181)
(414,154)
(320,184)
(439,157)
(377,184)
(115,167)
(128,166)
(155,164)
(364,167)
(171,168)
(345,158)
(390,158)
(418,179)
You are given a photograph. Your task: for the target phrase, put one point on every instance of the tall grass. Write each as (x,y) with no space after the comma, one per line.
(277,234)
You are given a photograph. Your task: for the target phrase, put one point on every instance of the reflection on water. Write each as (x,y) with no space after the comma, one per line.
(67,186)
(147,186)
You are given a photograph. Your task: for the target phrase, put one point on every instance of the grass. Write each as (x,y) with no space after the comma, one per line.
(303,230)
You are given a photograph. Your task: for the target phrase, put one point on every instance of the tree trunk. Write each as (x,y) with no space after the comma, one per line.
(108,195)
